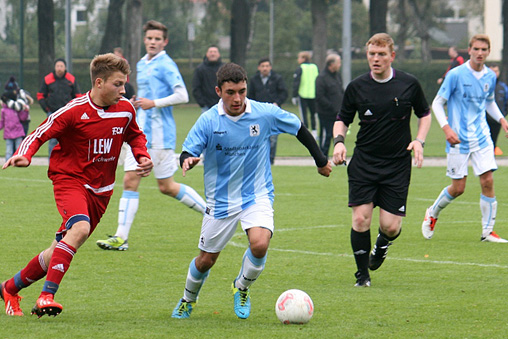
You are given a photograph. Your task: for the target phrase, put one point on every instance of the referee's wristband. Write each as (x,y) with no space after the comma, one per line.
(421,142)
(338,139)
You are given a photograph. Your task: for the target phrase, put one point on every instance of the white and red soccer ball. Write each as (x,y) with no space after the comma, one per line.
(294,307)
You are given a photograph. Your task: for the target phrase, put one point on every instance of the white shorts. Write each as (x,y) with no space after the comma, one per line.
(164,162)
(482,160)
(215,233)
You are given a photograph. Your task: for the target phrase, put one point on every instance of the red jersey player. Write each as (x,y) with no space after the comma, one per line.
(91,130)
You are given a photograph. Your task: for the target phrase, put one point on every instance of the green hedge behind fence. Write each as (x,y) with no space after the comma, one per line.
(427,74)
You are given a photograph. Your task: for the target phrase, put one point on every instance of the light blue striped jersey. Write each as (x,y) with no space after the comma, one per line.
(237,154)
(467,97)
(156,79)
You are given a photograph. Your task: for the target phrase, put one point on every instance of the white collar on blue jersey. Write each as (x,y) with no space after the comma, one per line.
(220,107)
(145,57)
(477,74)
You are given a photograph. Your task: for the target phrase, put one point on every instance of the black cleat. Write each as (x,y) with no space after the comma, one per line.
(377,256)
(362,281)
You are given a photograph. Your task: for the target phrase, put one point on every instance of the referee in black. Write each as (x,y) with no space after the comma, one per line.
(380,169)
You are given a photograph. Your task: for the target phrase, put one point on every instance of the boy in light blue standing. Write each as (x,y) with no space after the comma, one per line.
(469,91)
(234,136)
(160,86)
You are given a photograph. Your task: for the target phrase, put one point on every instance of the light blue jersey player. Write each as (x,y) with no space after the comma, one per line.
(158,78)
(234,136)
(238,173)
(468,90)
(160,86)
(467,93)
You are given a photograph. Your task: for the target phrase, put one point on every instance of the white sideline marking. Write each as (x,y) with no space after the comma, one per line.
(445,262)
(328,254)
(25,179)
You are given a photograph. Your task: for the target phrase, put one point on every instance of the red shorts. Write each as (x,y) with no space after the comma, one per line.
(76,203)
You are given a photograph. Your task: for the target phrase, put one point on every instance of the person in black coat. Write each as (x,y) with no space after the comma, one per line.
(57,89)
(268,86)
(329,94)
(204,79)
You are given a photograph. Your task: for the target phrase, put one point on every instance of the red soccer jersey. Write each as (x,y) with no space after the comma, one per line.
(90,139)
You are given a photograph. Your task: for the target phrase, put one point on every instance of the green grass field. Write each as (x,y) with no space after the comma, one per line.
(449,287)
(452,286)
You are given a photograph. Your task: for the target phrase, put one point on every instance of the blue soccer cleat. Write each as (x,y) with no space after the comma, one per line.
(242,302)
(183,309)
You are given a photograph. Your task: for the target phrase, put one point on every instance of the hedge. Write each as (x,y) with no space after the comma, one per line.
(426,73)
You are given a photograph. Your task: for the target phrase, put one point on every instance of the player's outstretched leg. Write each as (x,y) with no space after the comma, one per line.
(46,305)
(190,198)
(11,302)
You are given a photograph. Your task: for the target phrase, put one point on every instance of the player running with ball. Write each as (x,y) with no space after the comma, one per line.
(234,136)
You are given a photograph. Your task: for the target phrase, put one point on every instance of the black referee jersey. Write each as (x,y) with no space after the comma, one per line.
(384,111)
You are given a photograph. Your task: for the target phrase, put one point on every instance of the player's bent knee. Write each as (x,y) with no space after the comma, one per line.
(170,188)
(361,222)
(205,261)
(77,234)
(259,248)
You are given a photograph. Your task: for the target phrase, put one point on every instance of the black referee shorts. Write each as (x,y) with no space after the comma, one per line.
(384,182)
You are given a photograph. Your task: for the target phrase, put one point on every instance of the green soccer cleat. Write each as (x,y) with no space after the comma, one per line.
(113,243)
(183,309)
(242,302)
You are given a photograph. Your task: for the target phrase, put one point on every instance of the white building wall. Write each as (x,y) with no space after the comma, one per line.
(494,28)
(4,11)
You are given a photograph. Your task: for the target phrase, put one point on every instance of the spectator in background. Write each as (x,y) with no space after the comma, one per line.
(21,104)
(304,90)
(57,89)
(268,86)
(205,79)
(502,102)
(329,94)
(10,122)
(455,60)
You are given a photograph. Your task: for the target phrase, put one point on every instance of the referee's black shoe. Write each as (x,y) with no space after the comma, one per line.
(362,281)
(377,256)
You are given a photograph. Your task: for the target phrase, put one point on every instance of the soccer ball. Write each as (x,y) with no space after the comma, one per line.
(294,307)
